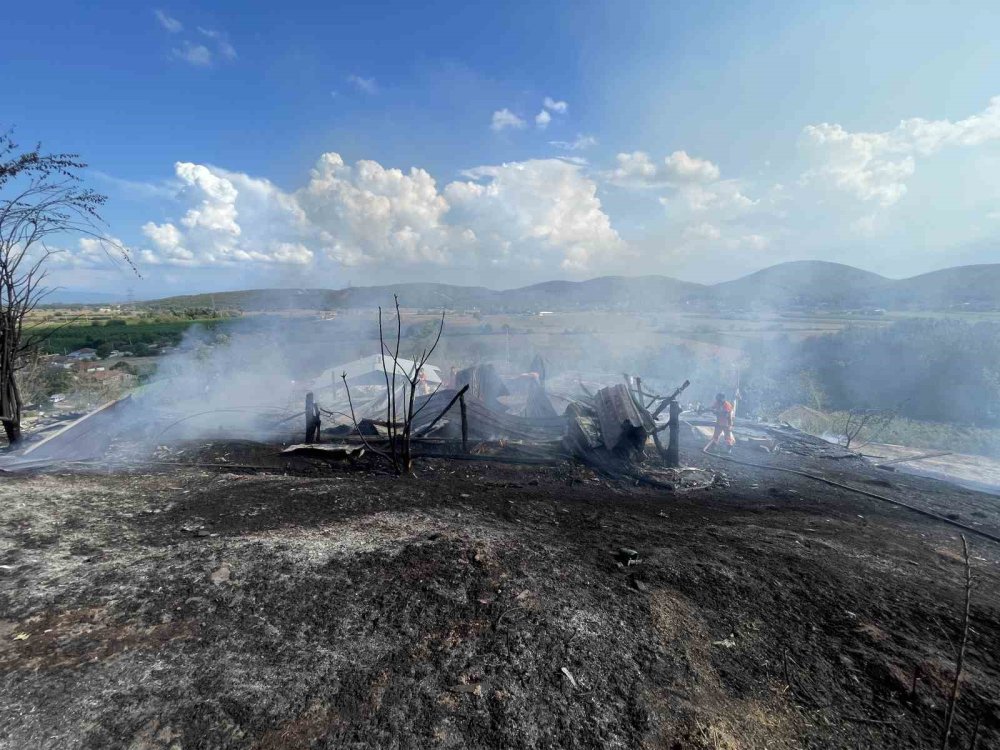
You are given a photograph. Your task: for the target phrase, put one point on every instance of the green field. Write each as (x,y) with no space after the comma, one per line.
(137,336)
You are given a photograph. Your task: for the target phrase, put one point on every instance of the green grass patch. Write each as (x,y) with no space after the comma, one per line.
(138,337)
(912,433)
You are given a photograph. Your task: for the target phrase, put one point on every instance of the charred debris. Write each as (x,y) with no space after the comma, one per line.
(395,409)
(386,411)
(400,409)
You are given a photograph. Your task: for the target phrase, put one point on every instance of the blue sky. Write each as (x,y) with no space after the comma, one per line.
(258,144)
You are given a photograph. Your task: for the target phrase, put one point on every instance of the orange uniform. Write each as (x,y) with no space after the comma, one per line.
(723,411)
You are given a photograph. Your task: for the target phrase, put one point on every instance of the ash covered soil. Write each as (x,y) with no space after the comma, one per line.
(489,606)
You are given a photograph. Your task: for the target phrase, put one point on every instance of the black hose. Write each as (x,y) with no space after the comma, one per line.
(866,493)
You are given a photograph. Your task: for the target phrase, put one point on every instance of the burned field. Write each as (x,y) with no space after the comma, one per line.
(480,604)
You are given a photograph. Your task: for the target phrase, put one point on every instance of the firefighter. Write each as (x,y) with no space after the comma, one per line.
(423,386)
(723,411)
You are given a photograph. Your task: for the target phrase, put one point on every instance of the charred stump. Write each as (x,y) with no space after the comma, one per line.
(313,421)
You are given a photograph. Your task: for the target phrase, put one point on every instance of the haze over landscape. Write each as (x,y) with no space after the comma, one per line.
(796,285)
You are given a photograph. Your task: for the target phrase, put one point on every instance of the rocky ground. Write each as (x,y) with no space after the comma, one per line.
(488,605)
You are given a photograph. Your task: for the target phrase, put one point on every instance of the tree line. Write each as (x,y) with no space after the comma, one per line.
(939,370)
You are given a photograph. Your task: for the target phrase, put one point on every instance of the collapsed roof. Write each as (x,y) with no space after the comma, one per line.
(371,371)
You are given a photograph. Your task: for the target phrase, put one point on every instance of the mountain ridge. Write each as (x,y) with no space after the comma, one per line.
(792,285)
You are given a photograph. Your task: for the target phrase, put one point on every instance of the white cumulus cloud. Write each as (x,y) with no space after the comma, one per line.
(196,54)
(635,168)
(367,213)
(702,209)
(168,22)
(555,106)
(579,143)
(541,214)
(638,169)
(504,119)
(686,168)
(221,41)
(534,212)
(875,166)
(231,218)
(722,196)
(201,50)
(90,253)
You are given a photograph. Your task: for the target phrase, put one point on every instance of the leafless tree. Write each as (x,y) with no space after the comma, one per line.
(872,421)
(402,382)
(40,200)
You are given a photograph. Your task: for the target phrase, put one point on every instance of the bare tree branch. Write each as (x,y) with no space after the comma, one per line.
(874,421)
(354,419)
(960,661)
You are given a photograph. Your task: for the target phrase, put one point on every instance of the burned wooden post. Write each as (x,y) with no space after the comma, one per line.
(465,421)
(313,421)
(310,408)
(672,453)
(424,430)
(674,425)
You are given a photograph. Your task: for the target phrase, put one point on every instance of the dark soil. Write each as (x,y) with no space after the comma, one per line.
(488,605)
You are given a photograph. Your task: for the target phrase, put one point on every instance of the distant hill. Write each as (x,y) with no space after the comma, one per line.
(411,295)
(609,292)
(786,286)
(963,286)
(807,283)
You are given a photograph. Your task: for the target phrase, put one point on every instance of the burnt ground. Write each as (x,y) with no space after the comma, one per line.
(488,605)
